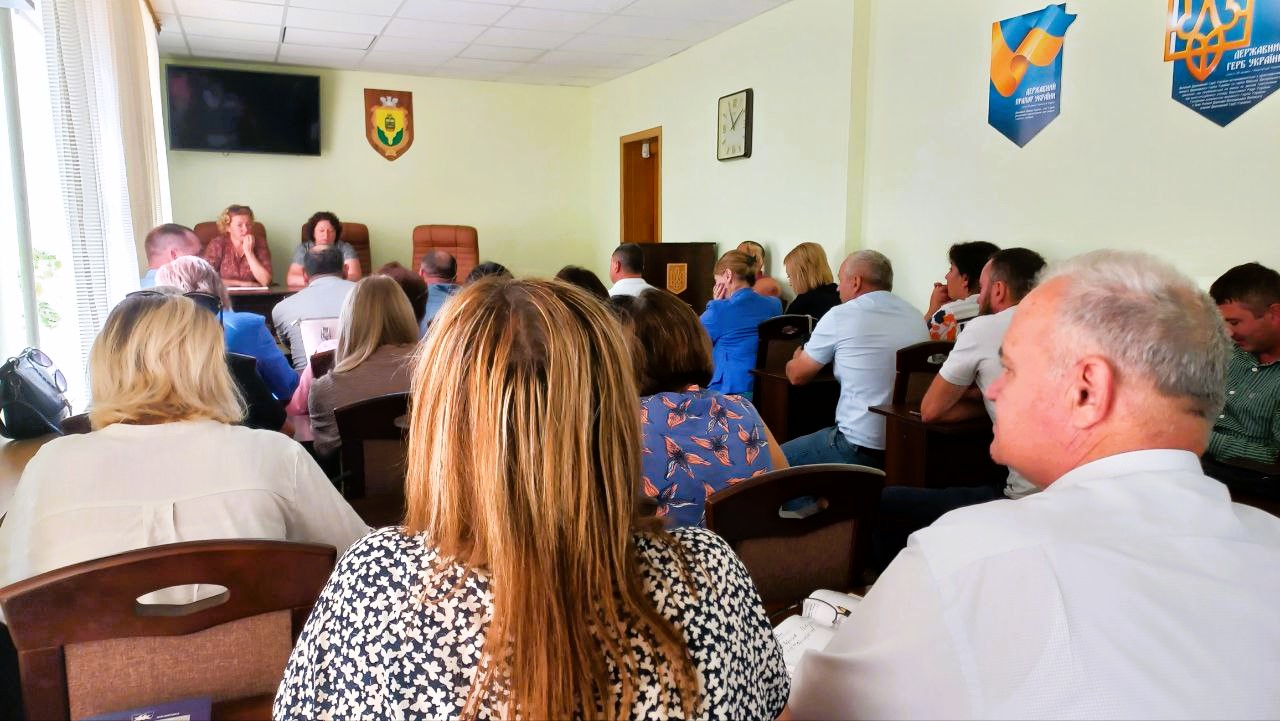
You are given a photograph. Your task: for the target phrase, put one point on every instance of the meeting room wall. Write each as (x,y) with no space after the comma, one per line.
(509,159)
(796,58)
(1125,166)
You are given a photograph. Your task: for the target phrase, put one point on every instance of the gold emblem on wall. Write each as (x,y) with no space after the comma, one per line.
(677,277)
(388,122)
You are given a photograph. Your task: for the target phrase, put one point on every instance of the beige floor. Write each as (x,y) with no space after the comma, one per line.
(13,458)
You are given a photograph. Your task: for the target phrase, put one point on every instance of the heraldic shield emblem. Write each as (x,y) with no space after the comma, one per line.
(388,122)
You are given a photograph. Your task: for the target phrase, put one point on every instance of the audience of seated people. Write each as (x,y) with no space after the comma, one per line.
(731,319)
(245,333)
(764,285)
(860,338)
(954,302)
(1131,586)
(524,571)
(323,229)
(584,279)
(323,297)
(696,441)
(439,270)
(626,270)
(809,274)
(373,356)
(165,243)
(165,461)
(487,269)
(240,258)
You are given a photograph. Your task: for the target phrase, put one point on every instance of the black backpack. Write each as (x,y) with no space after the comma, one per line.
(32,403)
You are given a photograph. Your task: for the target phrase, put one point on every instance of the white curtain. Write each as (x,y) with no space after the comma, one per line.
(102,68)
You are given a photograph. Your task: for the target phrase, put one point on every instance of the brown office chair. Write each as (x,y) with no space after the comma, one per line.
(917,365)
(75,425)
(208,230)
(788,557)
(373,481)
(460,241)
(779,338)
(86,646)
(357,234)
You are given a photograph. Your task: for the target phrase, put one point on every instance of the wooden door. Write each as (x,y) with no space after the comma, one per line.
(641,183)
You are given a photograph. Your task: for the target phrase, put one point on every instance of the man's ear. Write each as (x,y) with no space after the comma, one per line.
(1273,313)
(1091,383)
(999,293)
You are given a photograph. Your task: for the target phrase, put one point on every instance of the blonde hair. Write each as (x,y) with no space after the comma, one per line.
(755,250)
(544,494)
(192,273)
(231,211)
(742,264)
(807,267)
(159,358)
(376,313)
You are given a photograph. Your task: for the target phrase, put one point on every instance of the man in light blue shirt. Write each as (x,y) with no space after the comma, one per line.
(862,337)
(439,270)
(165,243)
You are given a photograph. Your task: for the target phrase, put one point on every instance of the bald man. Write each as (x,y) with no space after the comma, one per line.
(165,243)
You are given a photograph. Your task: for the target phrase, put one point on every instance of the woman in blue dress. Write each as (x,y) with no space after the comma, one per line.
(731,319)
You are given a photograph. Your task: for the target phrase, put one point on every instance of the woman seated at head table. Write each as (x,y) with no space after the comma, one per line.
(415,289)
(241,259)
(165,461)
(731,319)
(323,228)
(696,441)
(764,284)
(244,333)
(810,277)
(487,603)
(375,346)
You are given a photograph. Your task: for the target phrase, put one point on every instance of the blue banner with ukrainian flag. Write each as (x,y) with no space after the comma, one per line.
(1026,72)
(1225,54)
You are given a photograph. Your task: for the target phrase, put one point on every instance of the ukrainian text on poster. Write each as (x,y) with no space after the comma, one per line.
(1025,94)
(1225,54)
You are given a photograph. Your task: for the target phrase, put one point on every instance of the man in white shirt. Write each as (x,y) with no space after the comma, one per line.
(323,297)
(1131,586)
(862,337)
(625,268)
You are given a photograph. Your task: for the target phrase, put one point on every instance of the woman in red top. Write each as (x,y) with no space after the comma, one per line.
(240,258)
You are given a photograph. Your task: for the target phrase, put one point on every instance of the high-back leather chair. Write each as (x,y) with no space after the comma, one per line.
(357,234)
(917,365)
(460,241)
(208,230)
(86,645)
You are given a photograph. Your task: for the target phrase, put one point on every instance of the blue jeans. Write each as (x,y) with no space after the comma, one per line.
(829,446)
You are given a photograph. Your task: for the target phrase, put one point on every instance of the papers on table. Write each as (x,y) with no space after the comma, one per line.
(823,612)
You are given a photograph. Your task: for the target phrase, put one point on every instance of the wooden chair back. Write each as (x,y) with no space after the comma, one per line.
(779,338)
(825,543)
(917,365)
(321,363)
(87,646)
(373,456)
(208,230)
(357,234)
(460,241)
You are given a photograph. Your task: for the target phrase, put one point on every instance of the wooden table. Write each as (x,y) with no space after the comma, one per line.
(259,300)
(937,455)
(792,411)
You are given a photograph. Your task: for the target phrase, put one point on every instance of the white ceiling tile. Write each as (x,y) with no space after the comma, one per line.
(415,45)
(228,29)
(585,6)
(235,55)
(163,6)
(429,30)
(422,60)
(512,38)
(722,11)
(328,38)
(173,44)
(491,52)
(661,28)
(328,20)
(598,60)
(568,71)
(550,80)
(452,11)
(324,56)
(371,7)
(496,67)
(401,69)
(235,10)
(200,44)
(169,26)
(650,47)
(554,20)
(465,74)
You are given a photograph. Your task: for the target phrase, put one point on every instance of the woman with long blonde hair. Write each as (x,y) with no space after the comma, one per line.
(810,277)
(525,581)
(375,347)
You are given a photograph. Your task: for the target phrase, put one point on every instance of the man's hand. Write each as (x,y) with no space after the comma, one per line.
(802,368)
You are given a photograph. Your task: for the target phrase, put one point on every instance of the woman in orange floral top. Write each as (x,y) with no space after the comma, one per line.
(239,257)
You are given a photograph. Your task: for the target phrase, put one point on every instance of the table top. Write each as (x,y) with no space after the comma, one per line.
(273,289)
(910,413)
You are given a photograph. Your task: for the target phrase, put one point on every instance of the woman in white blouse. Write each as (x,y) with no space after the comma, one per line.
(164,462)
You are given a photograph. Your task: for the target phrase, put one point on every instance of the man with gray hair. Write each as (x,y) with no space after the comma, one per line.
(1131,586)
(861,336)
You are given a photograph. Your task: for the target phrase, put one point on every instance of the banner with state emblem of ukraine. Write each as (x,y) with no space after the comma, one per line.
(1026,72)
(1225,54)
(388,122)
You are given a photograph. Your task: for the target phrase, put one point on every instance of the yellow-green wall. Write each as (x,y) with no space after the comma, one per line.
(508,159)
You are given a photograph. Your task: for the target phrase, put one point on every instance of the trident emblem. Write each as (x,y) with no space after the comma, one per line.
(1201,36)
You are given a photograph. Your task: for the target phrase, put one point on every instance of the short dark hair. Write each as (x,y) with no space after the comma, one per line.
(414,287)
(968,258)
(584,279)
(322,260)
(1253,285)
(630,257)
(671,347)
(309,230)
(439,264)
(1018,268)
(486,269)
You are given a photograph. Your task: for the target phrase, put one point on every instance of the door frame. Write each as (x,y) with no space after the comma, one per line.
(650,134)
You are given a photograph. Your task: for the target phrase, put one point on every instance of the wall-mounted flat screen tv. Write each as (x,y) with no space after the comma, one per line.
(236,111)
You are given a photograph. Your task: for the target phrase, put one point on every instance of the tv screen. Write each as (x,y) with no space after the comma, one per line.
(236,111)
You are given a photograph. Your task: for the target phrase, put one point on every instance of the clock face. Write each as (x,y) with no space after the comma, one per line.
(733,126)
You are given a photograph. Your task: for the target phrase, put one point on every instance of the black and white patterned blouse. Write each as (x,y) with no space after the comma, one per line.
(373,649)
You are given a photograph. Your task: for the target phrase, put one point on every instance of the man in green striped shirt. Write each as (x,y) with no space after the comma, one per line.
(1248,296)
